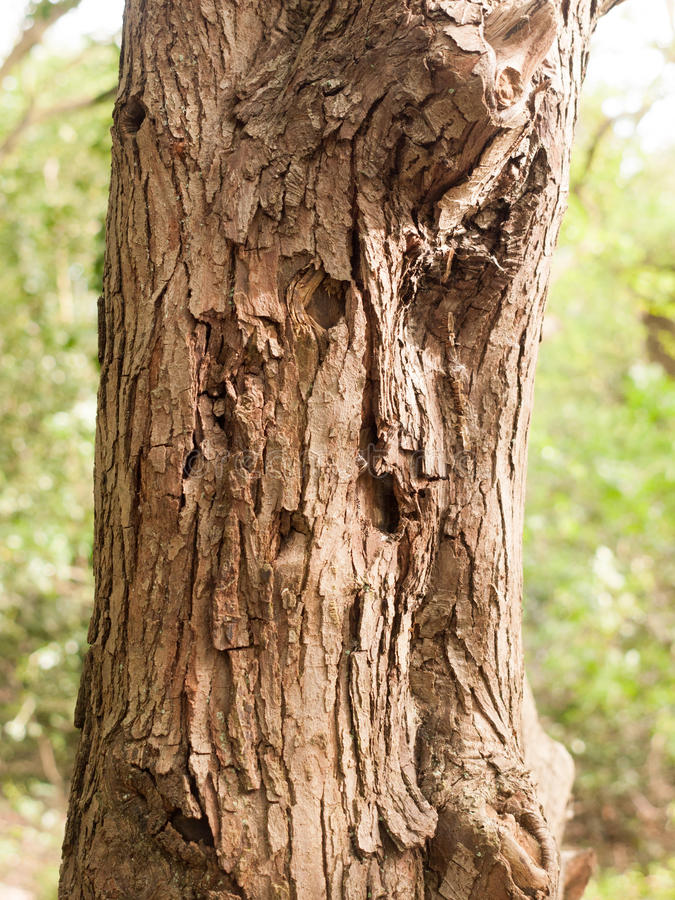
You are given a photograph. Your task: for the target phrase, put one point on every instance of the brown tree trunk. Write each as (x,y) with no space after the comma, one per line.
(329,239)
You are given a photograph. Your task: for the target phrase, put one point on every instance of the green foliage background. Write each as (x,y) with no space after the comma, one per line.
(600,526)
(53,194)
(600,530)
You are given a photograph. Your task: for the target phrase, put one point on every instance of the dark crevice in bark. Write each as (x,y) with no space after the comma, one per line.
(131,116)
(192,463)
(378,500)
(192,829)
(327,304)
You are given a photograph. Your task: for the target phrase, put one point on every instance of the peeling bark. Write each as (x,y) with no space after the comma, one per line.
(329,239)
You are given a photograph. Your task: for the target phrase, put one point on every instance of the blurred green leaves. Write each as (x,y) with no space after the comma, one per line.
(600,526)
(53,185)
(655,883)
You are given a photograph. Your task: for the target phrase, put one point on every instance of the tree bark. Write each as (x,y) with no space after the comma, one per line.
(329,239)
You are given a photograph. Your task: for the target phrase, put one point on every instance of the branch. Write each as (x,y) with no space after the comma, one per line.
(38,20)
(605,6)
(32,117)
(605,126)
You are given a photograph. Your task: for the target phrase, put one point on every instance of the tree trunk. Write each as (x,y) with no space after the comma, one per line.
(329,239)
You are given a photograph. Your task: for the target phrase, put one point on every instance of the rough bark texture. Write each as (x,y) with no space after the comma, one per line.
(329,239)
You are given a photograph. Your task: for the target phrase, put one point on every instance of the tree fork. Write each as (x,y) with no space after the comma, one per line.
(328,247)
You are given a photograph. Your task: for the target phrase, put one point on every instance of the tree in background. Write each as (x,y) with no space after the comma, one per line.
(329,239)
